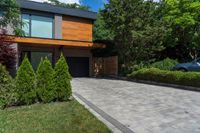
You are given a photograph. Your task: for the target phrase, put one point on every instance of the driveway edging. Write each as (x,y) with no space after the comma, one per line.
(112,123)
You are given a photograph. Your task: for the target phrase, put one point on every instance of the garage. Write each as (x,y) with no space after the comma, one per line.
(78,66)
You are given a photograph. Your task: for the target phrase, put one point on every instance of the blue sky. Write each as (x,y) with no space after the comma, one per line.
(94,4)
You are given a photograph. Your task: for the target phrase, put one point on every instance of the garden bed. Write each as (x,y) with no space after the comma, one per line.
(59,117)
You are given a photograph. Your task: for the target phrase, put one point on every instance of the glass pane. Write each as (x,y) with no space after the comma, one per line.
(26,24)
(37,56)
(41,26)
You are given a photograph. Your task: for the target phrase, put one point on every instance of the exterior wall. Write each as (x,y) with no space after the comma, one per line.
(70,52)
(58,26)
(79,29)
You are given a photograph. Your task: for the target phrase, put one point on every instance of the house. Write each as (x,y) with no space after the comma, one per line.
(50,30)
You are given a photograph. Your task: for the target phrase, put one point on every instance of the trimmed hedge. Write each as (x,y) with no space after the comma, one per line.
(171,77)
(166,64)
(7,95)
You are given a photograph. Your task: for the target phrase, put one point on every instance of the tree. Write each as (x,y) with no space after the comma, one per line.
(25,83)
(62,80)
(183,21)
(7,52)
(100,31)
(10,13)
(65,5)
(45,84)
(138,33)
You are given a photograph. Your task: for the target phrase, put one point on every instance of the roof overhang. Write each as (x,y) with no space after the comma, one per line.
(55,42)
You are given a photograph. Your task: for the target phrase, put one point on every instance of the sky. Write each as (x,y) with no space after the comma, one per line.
(94,4)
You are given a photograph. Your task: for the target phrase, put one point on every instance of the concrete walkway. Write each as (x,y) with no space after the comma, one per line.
(141,108)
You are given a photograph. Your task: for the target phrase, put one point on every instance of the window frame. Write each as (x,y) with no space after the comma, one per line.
(30,14)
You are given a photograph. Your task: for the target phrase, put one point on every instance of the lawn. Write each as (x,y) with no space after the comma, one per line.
(65,117)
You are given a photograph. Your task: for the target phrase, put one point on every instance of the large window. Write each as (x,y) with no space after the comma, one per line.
(37,26)
(35,57)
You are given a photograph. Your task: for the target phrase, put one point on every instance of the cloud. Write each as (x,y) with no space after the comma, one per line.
(65,1)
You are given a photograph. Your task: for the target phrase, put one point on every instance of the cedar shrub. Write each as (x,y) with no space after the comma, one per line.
(45,84)
(6,88)
(62,80)
(25,83)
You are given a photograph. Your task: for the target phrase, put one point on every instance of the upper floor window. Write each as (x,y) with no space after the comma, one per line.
(37,26)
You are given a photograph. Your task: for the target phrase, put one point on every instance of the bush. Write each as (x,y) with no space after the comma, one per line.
(166,64)
(25,83)
(172,77)
(45,84)
(62,80)
(6,88)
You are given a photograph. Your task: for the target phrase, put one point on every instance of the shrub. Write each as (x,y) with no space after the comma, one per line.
(164,76)
(45,84)
(62,80)
(6,88)
(25,83)
(166,64)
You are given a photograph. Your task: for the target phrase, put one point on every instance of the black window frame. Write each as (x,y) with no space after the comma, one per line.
(30,23)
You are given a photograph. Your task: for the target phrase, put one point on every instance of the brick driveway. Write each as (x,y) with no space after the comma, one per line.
(143,108)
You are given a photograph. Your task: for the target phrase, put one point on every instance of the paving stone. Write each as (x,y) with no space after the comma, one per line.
(143,108)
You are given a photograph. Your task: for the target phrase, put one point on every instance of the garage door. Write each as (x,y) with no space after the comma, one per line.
(78,66)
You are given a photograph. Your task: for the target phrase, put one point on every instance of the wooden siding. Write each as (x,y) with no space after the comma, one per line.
(74,28)
(41,41)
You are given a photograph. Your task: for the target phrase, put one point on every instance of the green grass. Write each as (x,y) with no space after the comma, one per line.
(66,117)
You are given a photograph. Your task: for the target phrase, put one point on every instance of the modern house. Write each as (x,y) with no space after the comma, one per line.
(50,30)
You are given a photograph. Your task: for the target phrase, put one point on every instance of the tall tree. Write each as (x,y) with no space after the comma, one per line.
(138,33)
(100,31)
(10,16)
(183,21)
(65,5)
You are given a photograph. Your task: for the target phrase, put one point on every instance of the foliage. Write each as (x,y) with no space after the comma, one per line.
(65,5)
(138,33)
(62,79)
(7,52)
(6,88)
(182,19)
(10,12)
(166,64)
(25,83)
(45,84)
(100,31)
(164,76)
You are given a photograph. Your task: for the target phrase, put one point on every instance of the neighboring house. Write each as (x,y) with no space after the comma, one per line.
(51,30)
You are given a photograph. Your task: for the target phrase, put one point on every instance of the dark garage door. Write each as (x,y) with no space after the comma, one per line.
(78,66)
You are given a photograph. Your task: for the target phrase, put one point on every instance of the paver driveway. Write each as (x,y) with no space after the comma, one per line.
(143,108)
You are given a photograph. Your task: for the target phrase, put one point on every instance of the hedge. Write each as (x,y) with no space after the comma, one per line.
(164,76)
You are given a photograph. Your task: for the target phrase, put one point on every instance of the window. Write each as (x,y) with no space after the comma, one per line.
(37,26)
(26,24)
(35,57)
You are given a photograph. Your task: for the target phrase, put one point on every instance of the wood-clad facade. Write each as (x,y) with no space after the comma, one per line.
(51,30)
